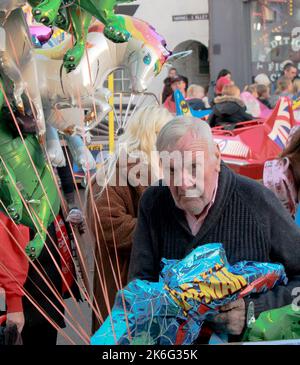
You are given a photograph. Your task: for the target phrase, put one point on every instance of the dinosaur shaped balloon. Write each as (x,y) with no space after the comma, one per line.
(18,69)
(18,179)
(75,16)
(65,96)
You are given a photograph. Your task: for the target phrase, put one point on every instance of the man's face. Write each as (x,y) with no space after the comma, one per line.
(178,85)
(291,73)
(172,74)
(197,175)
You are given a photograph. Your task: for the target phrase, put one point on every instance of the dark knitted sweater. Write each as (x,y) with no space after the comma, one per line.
(246,217)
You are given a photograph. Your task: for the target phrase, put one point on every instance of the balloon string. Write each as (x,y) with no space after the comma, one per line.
(41,184)
(118,266)
(49,283)
(103,285)
(21,138)
(84,336)
(59,298)
(46,278)
(97,223)
(67,5)
(23,141)
(32,162)
(26,89)
(35,304)
(75,238)
(117,263)
(96,310)
(38,271)
(83,292)
(45,244)
(119,281)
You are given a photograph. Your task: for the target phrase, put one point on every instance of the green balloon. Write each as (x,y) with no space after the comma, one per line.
(76,16)
(277,324)
(17,175)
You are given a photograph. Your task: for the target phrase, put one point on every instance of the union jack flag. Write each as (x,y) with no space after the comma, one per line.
(283,124)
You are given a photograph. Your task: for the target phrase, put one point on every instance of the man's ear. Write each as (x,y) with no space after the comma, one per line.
(218,158)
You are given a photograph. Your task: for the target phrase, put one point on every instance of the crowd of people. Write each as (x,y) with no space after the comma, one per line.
(135,224)
(145,225)
(226,100)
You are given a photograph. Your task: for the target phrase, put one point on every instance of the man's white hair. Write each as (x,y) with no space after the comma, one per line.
(262,79)
(178,127)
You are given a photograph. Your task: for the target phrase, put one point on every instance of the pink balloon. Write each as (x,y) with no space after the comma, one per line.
(41,32)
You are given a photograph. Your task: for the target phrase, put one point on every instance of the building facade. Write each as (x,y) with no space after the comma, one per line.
(246,36)
(253,36)
(185,26)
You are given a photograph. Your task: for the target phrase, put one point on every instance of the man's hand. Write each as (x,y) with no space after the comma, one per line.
(16,318)
(231,319)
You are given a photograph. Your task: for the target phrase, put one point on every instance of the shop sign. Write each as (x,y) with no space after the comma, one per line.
(274,69)
(189,17)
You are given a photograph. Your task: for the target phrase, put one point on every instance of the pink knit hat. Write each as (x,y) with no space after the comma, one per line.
(221,83)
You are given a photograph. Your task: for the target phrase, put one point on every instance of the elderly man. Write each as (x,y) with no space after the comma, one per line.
(213,204)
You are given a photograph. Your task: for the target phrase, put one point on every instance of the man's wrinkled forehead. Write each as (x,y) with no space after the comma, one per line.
(191,141)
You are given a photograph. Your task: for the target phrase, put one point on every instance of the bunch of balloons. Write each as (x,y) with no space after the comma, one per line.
(47,91)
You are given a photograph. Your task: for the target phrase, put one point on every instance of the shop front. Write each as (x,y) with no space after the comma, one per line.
(275,35)
(253,36)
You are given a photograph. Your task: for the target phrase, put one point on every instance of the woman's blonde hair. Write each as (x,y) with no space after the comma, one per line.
(143,127)
(296,86)
(231,90)
(282,84)
(262,89)
(194,91)
(251,88)
(140,136)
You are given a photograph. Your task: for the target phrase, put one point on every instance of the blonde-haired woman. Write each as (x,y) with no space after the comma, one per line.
(229,109)
(114,200)
(296,87)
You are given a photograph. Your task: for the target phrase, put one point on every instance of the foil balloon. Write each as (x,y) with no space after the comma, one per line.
(80,153)
(146,53)
(40,34)
(8,6)
(66,95)
(18,179)
(183,108)
(277,324)
(17,64)
(172,311)
(254,106)
(76,16)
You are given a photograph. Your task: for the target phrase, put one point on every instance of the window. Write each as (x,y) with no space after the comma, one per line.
(275,33)
(203,60)
(121,81)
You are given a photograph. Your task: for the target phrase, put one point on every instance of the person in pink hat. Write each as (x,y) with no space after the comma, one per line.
(223,81)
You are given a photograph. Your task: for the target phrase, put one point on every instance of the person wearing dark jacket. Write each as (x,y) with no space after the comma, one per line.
(196,98)
(178,83)
(117,206)
(167,91)
(263,93)
(229,109)
(214,204)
